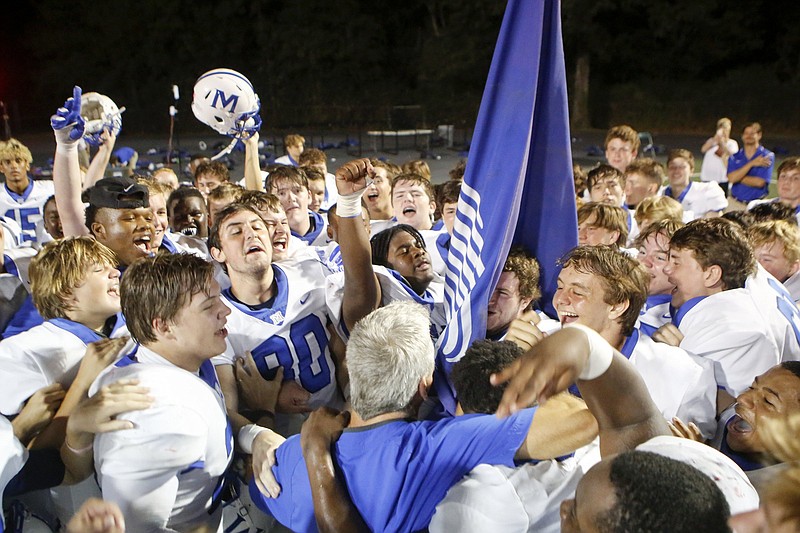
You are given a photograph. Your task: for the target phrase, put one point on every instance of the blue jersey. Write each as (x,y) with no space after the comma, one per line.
(397,471)
(290,331)
(745,193)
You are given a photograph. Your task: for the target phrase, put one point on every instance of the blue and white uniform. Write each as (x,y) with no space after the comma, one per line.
(26,209)
(12,233)
(168,471)
(14,286)
(700,198)
(288,331)
(723,327)
(655,313)
(779,311)
(393,288)
(318,234)
(396,471)
(41,356)
(680,384)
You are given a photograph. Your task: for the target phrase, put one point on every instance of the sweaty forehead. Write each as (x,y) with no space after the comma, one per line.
(404,238)
(405,186)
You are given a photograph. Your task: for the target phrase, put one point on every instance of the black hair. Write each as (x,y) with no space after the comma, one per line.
(792,366)
(380,243)
(744,219)
(773,211)
(181,193)
(470,375)
(656,493)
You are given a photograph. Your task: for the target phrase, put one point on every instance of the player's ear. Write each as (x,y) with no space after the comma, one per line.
(161,327)
(617,310)
(99,231)
(424,385)
(712,276)
(217,254)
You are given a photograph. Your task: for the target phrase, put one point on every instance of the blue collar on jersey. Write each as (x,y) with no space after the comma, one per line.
(425,298)
(84,333)
(272,315)
(629,219)
(668,192)
(168,245)
(9,265)
(630,344)
(318,225)
(743,461)
(656,299)
(438,225)
(678,314)
(19,198)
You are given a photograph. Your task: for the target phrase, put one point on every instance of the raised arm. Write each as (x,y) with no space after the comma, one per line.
(68,126)
(362,292)
(612,388)
(97,168)
(252,167)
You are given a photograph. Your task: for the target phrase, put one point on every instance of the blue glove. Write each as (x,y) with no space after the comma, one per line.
(67,123)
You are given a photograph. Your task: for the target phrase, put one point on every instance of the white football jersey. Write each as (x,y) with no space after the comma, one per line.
(168,471)
(654,314)
(702,197)
(779,311)
(48,353)
(724,328)
(26,209)
(290,333)
(393,288)
(680,384)
(12,457)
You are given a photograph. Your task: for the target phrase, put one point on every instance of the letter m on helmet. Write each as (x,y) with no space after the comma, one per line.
(220,96)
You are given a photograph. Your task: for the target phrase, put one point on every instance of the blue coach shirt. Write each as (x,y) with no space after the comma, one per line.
(398,471)
(745,193)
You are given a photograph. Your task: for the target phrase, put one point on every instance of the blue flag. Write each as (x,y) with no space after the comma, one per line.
(518,185)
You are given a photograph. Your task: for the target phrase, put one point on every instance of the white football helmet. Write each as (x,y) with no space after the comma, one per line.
(100,113)
(225,100)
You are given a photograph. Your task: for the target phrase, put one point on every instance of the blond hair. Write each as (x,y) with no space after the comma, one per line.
(13,149)
(786,233)
(657,208)
(60,267)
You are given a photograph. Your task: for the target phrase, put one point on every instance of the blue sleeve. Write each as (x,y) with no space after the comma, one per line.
(42,470)
(288,459)
(24,319)
(475,439)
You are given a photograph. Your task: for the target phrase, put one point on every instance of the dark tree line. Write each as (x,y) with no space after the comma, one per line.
(319,63)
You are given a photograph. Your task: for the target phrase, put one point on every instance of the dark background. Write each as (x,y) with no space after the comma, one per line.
(339,65)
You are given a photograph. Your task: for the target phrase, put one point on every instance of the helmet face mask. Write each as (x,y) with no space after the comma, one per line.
(224,100)
(101,114)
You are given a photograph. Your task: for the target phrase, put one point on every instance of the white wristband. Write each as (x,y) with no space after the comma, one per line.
(600,353)
(66,149)
(349,205)
(247,435)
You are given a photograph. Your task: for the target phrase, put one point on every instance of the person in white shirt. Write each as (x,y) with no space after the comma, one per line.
(716,151)
(21,198)
(703,199)
(294,145)
(168,472)
(709,263)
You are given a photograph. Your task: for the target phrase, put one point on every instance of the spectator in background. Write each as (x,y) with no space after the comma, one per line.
(294,145)
(579,177)
(716,151)
(622,146)
(750,169)
(643,179)
(317,160)
(703,200)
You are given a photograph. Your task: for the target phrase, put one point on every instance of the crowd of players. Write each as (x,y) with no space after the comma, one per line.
(168,337)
